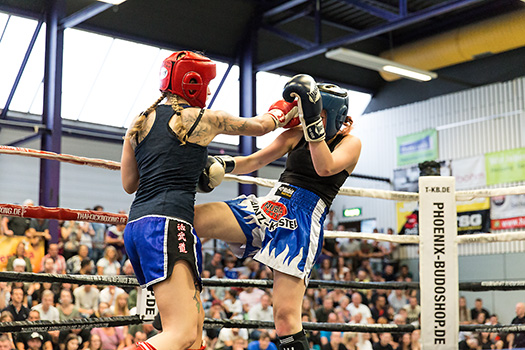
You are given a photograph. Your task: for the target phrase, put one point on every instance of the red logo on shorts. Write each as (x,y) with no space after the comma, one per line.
(274,210)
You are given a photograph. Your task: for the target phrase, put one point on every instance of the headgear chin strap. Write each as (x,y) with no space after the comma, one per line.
(335,102)
(187,74)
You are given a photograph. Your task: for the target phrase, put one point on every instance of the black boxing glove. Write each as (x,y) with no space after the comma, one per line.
(310,105)
(213,172)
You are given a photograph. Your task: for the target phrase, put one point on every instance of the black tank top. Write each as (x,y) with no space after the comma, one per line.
(168,171)
(300,172)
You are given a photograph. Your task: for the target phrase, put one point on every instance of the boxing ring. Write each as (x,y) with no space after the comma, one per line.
(438,250)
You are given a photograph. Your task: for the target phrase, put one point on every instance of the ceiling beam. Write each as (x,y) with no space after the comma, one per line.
(373,10)
(294,39)
(283,7)
(84,14)
(412,18)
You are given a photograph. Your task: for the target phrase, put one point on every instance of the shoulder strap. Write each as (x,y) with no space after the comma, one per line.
(201,113)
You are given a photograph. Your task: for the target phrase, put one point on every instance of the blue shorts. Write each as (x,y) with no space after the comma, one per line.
(154,243)
(284,229)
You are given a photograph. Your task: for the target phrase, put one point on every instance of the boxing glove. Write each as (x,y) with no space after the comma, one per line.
(282,112)
(310,105)
(213,172)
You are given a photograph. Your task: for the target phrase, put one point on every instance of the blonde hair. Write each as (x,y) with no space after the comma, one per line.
(140,122)
(121,310)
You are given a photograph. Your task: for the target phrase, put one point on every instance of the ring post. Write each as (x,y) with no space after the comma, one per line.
(438,263)
(146,305)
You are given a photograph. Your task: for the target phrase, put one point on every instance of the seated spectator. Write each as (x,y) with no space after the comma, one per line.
(7,340)
(249,297)
(94,343)
(397,299)
(379,309)
(464,313)
(478,308)
(350,340)
(384,342)
(70,234)
(336,342)
(39,228)
(357,307)
(404,272)
(109,295)
(59,262)
(98,240)
(100,309)
(343,271)
(413,310)
(468,344)
(15,226)
(112,337)
(263,343)
(20,256)
(214,263)
(82,334)
(47,311)
(23,339)
(388,273)
(321,314)
(115,237)
(262,311)
(86,299)
(232,305)
(239,343)
(325,271)
(5,295)
(139,337)
(121,305)
(109,264)
(34,341)
(71,342)
(227,335)
(16,307)
(66,309)
(74,264)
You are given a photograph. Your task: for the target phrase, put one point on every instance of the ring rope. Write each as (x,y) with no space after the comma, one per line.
(346,191)
(68,158)
(491,237)
(87,323)
(375,236)
(39,212)
(125,281)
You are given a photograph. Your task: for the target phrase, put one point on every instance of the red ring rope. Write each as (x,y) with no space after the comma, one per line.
(39,212)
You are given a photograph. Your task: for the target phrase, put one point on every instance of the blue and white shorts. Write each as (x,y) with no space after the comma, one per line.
(154,243)
(284,229)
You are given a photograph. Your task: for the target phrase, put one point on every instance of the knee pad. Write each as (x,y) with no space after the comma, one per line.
(296,341)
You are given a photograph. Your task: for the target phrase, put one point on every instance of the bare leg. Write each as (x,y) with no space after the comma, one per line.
(181,311)
(216,220)
(288,293)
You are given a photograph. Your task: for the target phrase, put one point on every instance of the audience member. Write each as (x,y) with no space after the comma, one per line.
(109,295)
(112,337)
(86,299)
(357,307)
(20,256)
(74,263)
(66,309)
(59,262)
(47,311)
(109,264)
(478,307)
(413,310)
(99,238)
(70,233)
(115,237)
(384,342)
(249,297)
(23,339)
(16,307)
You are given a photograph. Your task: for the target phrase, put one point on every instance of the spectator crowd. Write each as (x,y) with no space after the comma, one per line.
(92,248)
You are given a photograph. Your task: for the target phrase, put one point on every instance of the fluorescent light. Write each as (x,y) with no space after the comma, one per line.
(407,73)
(379,64)
(114,2)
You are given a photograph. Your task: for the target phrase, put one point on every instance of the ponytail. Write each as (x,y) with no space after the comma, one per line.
(138,127)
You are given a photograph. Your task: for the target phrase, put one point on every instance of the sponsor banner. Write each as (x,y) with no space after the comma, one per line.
(507,212)
(469,172)
(473,216)
(439,270)
(8,248)
(505,167)
(417,148)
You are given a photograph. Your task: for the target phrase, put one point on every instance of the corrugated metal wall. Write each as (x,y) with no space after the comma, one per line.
(473,122)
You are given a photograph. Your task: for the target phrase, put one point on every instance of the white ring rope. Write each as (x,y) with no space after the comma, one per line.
(345,191)
(491,237)
(375,236)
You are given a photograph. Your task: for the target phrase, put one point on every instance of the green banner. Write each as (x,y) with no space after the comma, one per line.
(417,148)
(505,167)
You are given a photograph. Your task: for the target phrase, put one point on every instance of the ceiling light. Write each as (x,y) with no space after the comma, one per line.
(114,2)
(379,64)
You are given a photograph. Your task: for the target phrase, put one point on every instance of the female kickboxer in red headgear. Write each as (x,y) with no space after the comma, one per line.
(164,153)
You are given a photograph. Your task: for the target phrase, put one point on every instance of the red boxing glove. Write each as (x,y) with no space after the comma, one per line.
(294,122)
(283,112)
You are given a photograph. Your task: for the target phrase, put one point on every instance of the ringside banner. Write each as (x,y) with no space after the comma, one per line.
(418,147)
(439,269)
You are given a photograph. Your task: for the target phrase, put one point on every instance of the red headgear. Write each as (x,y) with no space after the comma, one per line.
(187,74)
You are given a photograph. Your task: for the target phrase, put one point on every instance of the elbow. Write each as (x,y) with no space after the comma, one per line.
(324,172)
